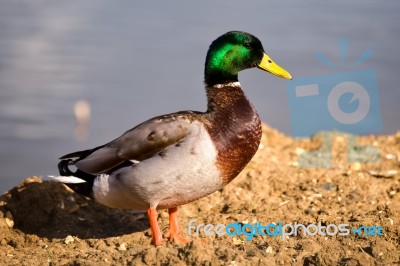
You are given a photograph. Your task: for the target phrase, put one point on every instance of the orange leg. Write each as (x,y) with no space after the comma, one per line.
(174,232)
(155,229)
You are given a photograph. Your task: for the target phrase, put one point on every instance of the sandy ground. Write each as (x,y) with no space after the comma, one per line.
(44,223)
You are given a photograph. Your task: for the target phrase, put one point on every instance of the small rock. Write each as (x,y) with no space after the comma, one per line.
(327,186)
(122,247)
(237,241)
(69,239)
(384,174)
(71,199)
(390,156)
(284,203)
(62,205)
(32,179)
(269,250)
(355,166)
(299,150)
(9,219)
(74,209)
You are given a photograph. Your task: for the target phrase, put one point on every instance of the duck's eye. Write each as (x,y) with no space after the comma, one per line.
(247,45)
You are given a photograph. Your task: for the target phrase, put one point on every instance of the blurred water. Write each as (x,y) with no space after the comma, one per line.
(132,61)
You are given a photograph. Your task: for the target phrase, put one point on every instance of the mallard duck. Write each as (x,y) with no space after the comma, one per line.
(177,158)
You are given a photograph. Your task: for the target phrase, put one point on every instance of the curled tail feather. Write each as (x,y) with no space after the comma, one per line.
(84,188)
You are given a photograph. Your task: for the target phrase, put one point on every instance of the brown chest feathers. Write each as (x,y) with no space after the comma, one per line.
(235,128)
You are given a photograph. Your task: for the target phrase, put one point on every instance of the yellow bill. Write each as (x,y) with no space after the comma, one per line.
(269,65)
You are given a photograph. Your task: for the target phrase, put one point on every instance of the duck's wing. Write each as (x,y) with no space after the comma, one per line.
(138,143)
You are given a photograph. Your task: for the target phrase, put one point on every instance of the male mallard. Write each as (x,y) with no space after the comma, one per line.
(174,159)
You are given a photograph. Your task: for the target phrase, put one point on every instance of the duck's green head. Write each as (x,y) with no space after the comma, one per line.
(235,51)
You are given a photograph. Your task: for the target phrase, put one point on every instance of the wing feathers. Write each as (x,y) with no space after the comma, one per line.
(139,143)
(99,161)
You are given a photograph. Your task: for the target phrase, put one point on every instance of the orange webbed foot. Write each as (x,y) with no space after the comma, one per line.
(154,227)
(174,232)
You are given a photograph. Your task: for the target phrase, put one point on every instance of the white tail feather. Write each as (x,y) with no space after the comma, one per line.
(67,179)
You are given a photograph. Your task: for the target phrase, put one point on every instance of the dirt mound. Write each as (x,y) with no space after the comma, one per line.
(43,222)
